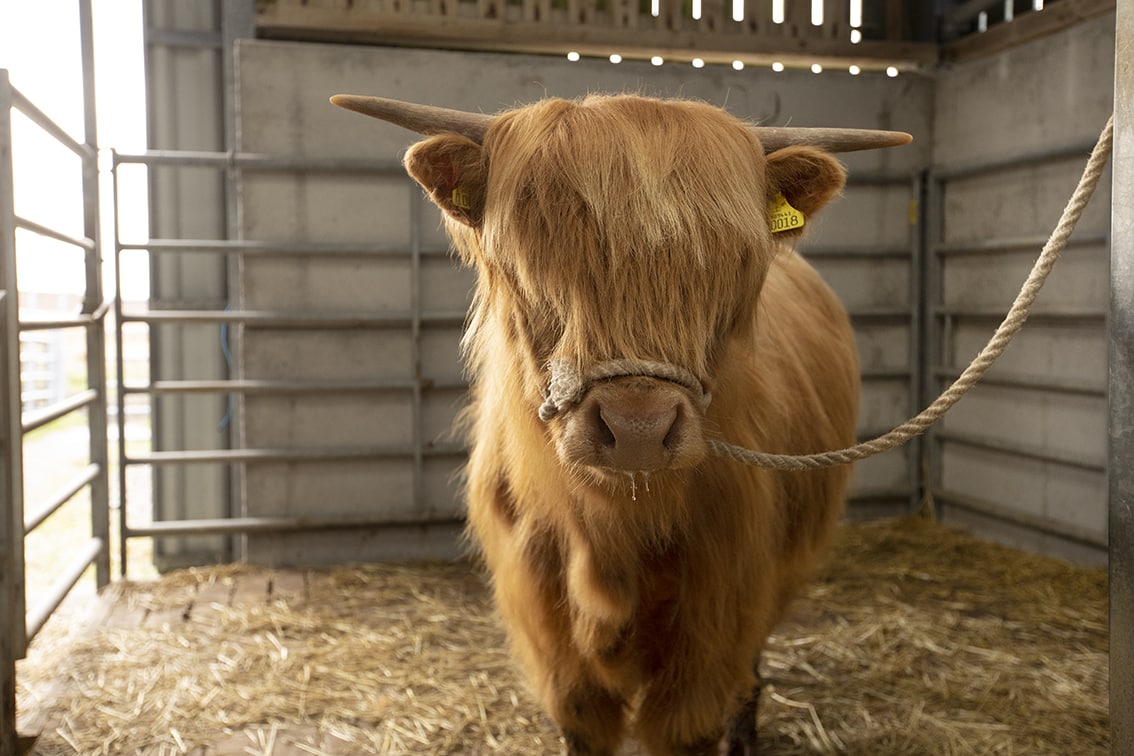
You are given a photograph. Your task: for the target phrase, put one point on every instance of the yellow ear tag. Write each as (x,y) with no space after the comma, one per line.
(461,198)
(782,216)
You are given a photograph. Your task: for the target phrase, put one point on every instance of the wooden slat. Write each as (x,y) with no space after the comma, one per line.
(1029,26)
(715,16)
(836,19)
(589,12)
(626,14)
(562,33)
(252,589)
(757,16)
(797,19)
(536,11)
(289,586)
(490,9)
(893,19)
(672,15)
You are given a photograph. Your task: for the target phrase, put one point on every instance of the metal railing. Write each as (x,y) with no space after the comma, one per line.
(414,319)
(939,368)
(22,616)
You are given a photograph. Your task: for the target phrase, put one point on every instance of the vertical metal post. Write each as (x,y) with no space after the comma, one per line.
(932,338)
(1121,426)
(96,331)
(13,626)
(237,22)
(916,338)
(119,371)
(418,411)
(185,107)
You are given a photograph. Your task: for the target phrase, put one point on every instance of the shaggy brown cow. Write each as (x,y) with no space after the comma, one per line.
(631,303)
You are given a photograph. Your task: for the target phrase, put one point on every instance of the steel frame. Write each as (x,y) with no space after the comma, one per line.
(236,164)
(19,623)
(1121,383)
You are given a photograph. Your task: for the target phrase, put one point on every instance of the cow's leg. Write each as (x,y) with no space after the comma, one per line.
(683,717)
(741,736)
(591,717)
(592,721)
(528,566)
(686,708)
(531,599)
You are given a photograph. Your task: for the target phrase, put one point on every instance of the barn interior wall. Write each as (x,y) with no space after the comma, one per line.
(282,90)
(1033,100)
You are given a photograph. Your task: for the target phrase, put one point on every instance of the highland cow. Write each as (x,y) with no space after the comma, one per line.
(637,295)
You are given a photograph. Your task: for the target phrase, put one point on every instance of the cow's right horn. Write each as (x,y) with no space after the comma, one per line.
(424,119)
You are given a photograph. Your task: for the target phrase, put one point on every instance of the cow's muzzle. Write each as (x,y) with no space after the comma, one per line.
(629,416)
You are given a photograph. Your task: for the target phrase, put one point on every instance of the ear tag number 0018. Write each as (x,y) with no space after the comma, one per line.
(460,198)
(782,216)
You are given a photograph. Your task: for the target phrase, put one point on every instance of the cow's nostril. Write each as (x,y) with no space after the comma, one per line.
(674,435)
(603,435)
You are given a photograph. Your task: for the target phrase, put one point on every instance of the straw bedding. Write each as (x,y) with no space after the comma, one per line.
(915,639)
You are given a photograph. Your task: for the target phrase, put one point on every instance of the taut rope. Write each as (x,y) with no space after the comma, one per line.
(567,385)
(1012,323)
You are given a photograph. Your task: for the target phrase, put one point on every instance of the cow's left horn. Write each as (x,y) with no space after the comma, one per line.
(831,140)
(424,119)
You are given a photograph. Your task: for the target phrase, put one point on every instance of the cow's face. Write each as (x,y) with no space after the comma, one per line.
(620,229)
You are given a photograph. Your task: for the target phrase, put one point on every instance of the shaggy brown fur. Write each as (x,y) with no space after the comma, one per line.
(625,227)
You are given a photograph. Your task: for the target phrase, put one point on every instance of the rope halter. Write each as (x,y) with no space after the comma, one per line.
(568,385)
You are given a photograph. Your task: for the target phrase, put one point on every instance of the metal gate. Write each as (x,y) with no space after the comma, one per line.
(23,615)
(231,324)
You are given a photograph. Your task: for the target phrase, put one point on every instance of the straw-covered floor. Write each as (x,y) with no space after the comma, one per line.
(916,639)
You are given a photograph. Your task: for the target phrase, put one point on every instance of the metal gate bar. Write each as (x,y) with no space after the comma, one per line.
(18,624)
(64,494)
(11,536)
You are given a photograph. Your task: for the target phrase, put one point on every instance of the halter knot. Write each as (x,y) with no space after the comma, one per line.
(568,384)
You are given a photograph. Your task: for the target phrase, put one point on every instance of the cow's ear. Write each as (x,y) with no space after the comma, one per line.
(807,179)
(452,170)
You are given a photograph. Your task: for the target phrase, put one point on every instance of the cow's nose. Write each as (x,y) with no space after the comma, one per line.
(633,424)
(637,437)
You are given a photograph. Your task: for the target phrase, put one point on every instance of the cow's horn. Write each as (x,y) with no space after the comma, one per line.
(424,119)
(832,140)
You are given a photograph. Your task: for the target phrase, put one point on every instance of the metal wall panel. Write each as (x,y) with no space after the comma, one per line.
(1023,457)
